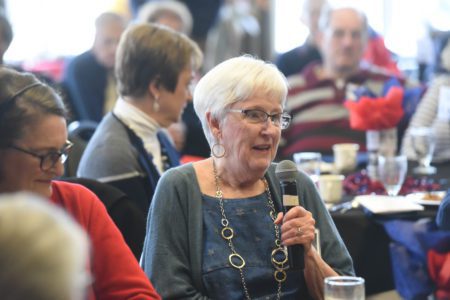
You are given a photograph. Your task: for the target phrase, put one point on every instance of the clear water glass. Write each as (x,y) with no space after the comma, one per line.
(309,162)
(344,288)
(423,142)
(392,172)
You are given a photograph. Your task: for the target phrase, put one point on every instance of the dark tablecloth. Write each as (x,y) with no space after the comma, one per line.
(368,242)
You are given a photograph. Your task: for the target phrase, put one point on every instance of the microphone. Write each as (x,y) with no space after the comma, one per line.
(286,171)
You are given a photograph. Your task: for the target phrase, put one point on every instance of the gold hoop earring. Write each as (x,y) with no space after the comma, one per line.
(218,150)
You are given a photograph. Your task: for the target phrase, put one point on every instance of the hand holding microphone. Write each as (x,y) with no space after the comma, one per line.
(298,223)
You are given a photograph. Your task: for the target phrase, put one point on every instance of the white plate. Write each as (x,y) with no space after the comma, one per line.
(421,197)
(379,204)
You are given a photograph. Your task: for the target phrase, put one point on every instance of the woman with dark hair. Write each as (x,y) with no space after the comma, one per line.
(33,148)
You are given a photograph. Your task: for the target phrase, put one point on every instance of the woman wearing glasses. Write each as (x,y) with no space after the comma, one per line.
(215,229)
(33,147)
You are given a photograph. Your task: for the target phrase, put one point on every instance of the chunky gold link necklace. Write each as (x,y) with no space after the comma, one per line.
(279,255)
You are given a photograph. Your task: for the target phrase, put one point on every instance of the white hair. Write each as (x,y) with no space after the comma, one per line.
(151,11)
(234,80)
(43,252)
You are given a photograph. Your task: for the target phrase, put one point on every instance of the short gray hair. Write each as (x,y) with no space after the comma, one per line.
(235,80)
(328,9)
(151,11)
(43,253)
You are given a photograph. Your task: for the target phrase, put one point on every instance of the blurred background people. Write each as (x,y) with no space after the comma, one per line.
(33,148)
(434,110)
(235,192)
(173,14)
(236,32)
(204,14)
(316,95)
(155,68)
(44,253)
(295,60)
(89,78)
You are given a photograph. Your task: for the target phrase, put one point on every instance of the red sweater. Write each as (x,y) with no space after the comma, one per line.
(115,271)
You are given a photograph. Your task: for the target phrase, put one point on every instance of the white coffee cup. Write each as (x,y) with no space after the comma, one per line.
(345,157)
(330,187)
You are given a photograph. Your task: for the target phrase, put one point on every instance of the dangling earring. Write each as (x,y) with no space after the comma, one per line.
(156,104)
(218,150)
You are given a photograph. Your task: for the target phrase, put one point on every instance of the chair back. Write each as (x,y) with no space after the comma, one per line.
(79,132)
(130,220)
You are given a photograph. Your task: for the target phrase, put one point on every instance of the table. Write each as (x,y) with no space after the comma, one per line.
(368,243)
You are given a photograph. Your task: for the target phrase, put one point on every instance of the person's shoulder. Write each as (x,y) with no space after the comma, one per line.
(82,60)
(68,189)
(184,172)
(305,79)
(85,64)
(73,197)
(111,135)
(109,152)
(287,57)
(371,71)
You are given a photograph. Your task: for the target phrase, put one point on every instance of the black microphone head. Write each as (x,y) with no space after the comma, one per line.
(286,170)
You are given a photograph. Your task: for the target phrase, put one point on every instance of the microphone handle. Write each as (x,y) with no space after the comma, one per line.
(296,253)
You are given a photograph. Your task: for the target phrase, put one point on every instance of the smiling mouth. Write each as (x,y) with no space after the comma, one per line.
(262,147)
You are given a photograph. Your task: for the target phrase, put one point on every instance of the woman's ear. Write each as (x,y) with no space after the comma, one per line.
(213,123)
(155,88)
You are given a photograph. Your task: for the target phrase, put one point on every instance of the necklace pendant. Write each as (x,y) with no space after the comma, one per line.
(236,260)
(227,233)
(280,275)
(279,257)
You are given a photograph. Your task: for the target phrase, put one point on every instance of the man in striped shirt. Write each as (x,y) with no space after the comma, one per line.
(316,95)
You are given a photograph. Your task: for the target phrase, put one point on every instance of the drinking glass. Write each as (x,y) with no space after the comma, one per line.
(392,172)
(344,288)
(423,142)
(309,162)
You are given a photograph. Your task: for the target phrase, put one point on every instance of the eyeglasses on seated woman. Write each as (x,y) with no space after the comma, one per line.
(216,228)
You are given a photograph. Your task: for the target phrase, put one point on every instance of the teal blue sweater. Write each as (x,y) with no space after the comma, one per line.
(172,255)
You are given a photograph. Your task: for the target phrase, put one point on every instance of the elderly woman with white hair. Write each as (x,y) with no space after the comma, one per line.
(215,227)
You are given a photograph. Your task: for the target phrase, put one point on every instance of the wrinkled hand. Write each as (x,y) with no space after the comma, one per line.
(298,227)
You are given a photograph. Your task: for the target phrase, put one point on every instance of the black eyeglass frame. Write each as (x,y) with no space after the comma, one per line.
(284,117)
(52,156)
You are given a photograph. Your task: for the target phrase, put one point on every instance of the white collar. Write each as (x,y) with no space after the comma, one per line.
(143,126)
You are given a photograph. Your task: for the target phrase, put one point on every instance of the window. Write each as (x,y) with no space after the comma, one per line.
(52,28)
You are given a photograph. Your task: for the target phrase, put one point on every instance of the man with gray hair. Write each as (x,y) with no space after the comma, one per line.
(89,77)
(316,95)
(295,60)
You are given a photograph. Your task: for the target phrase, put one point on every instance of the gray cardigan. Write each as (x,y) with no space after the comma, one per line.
(172,255)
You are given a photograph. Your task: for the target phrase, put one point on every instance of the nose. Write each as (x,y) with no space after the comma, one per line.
(269,127)
(58,169)
(347,39)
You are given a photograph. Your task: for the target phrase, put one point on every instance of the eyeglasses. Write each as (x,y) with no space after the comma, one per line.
(48,160)
(281,120)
